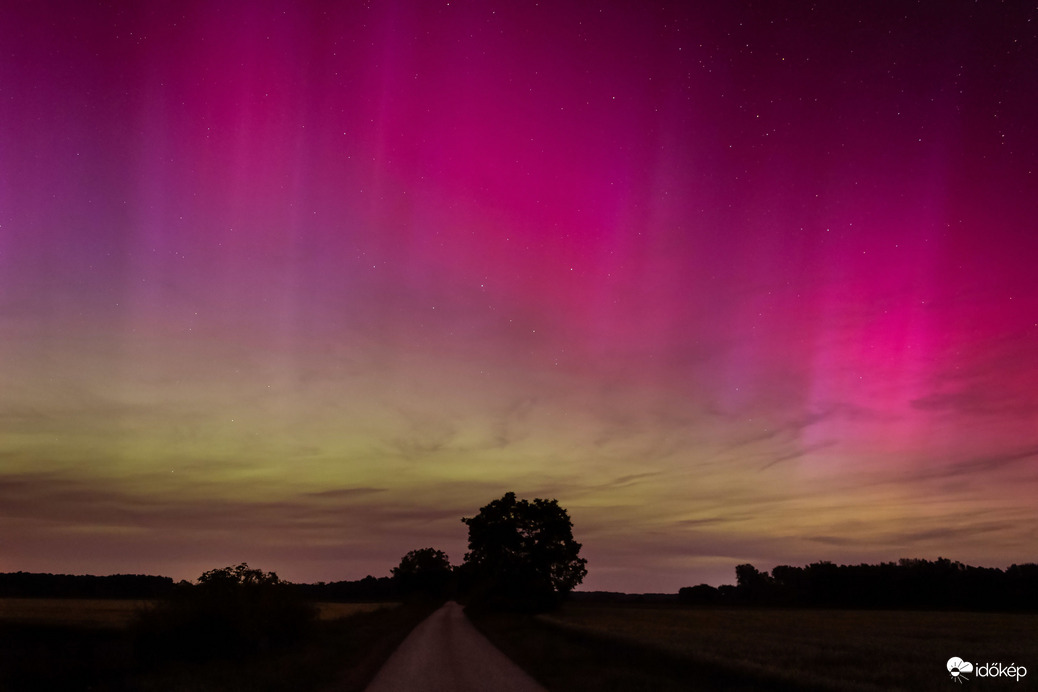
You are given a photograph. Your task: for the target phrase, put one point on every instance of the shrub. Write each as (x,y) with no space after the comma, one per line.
(231,612)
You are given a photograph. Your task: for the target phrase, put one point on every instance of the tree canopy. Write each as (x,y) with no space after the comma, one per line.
(423,573)
(522,554)
(907,583)
(237,576)
(232,611)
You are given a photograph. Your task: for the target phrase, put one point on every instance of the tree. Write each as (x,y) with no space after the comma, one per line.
(239,576)
(231,612)
(423,573)
(701,594)
(522,555)
(753,586)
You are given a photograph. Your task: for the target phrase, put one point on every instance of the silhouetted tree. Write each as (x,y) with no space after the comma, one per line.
(907,583)
(237,577)
(522,555)
(703,594)
(37,585)
(753,586)
(368,589)
(232,611)
(424,573)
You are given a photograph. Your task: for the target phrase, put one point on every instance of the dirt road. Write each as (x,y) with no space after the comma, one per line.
(446,652)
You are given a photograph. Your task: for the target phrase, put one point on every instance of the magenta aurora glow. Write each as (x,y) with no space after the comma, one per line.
(302,284)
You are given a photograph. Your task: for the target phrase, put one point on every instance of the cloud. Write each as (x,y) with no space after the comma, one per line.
(910,540)
(842,541)
(978,466)
(63,500)
(344,493)
(995,378)
(708,521)
(948,534)
(978,398)
(993,462)
(629,479)
(799,452)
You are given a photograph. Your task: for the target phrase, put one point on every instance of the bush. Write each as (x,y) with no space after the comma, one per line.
(231,612)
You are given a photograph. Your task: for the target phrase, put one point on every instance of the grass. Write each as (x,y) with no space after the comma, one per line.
(48,644)
(68,644)
(335,611)
(119,613)
(341,654)
(622,647)
(70,612)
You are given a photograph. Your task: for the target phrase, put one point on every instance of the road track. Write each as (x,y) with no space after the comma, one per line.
(446,653)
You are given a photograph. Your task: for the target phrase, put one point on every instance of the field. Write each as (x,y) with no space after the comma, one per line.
(65,643)
(605,646)
(57,644)
(116,613)
(70,612)
(335,611)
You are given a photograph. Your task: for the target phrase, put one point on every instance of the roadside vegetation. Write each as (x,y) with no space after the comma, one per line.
(221,640)
(94,613)
(341,654)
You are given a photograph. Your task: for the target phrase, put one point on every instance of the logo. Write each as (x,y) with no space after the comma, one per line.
(958,668)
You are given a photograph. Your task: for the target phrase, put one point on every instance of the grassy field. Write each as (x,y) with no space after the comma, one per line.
(116,613)
(621,647)
(72,644)
(335,611)
(48,644)
(71,612)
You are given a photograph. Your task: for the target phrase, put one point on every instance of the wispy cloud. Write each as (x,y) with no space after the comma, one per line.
(798,453)
(344,493)
(997,380)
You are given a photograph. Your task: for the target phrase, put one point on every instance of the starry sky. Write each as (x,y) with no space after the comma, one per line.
(302,284)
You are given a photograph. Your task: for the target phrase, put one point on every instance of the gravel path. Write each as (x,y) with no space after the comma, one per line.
(446,652)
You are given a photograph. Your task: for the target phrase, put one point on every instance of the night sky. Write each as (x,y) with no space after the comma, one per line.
(302,284)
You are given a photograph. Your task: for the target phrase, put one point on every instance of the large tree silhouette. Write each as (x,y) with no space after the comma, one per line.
(522,555)
(424,573)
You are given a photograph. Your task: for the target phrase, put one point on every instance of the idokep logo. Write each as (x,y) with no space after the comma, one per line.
(958,668)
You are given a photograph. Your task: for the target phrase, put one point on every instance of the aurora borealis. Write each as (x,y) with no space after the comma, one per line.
(302,284)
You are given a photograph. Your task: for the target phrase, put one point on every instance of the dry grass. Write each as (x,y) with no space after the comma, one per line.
(73,612)
(829,649)
(75,644)
(118,613)
(336,611)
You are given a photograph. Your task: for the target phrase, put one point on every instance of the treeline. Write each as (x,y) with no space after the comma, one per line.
(367,590)
(44,585)
(906,584)
(621,597)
